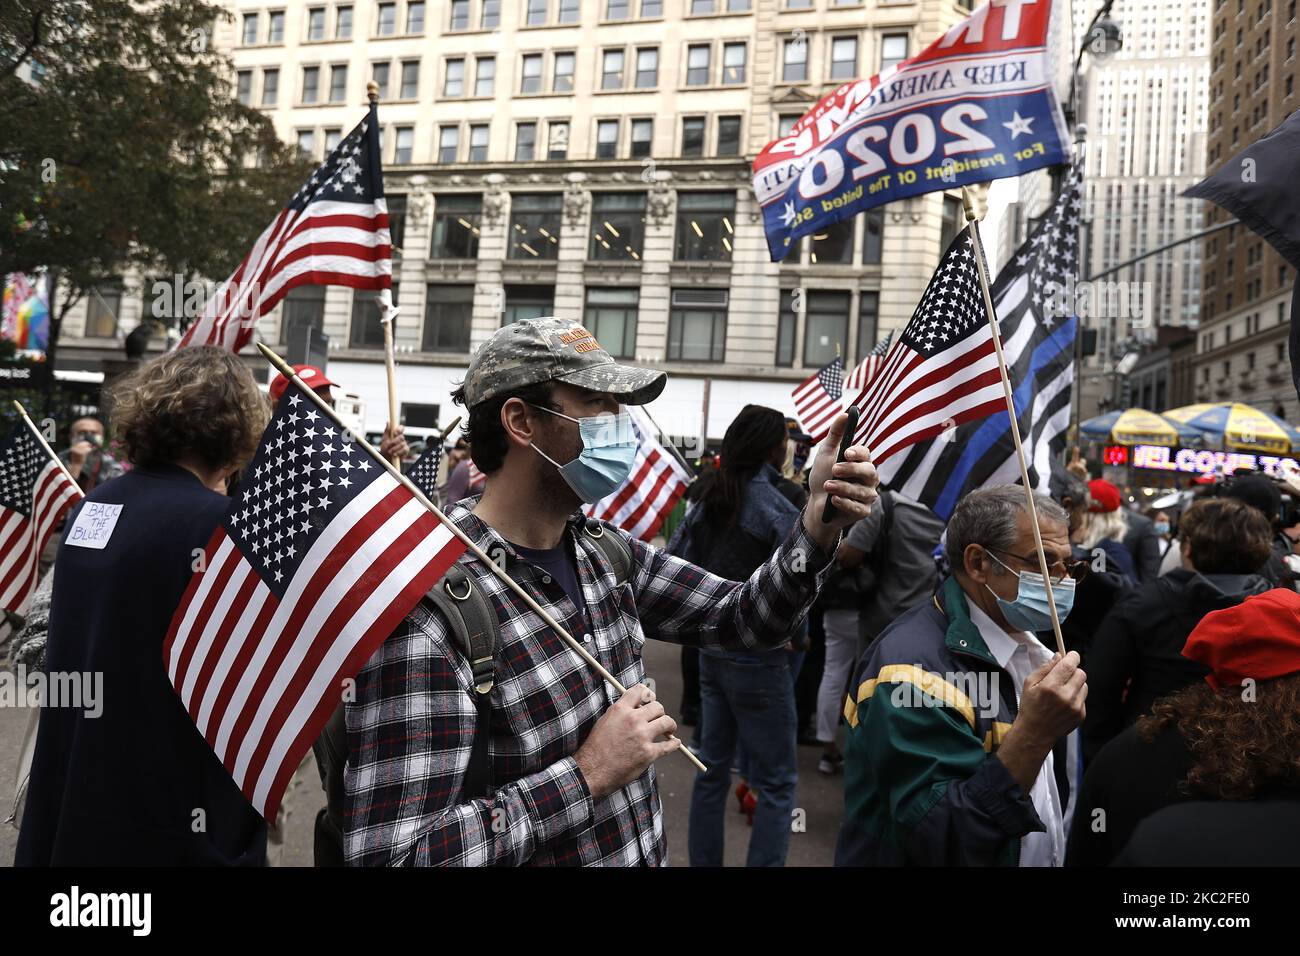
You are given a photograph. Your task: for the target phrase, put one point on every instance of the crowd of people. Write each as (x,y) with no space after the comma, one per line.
(918,655)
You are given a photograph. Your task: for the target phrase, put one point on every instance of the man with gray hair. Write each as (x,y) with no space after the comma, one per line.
(958,715)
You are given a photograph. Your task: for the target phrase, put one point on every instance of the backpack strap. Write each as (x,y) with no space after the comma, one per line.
(616,551)
(473,624)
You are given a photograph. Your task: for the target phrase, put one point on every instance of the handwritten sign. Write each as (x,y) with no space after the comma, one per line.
(94,525)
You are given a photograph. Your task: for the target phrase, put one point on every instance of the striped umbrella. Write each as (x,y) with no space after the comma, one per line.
(1239,427)
(1137,426)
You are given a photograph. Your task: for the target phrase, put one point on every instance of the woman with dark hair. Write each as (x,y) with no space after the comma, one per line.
(739,518)
(1233,738)
(127,779)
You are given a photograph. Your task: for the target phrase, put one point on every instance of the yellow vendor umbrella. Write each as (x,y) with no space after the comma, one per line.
(1239,427)
(1137,426)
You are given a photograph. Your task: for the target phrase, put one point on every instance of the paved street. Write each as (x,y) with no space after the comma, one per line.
(819,796)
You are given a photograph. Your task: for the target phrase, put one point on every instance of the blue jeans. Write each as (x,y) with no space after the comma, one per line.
(746,699)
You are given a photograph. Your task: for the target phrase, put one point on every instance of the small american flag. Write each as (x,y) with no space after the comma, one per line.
(942,370)
(35,492)
(817,399)
(424,473)
(476,479)
(333,232)
(657,481)
(319,558)
(867,369)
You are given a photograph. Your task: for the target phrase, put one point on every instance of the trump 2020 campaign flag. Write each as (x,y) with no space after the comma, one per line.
(976,104)
(319,558)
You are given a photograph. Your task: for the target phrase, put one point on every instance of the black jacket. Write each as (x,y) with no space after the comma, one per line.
(1219,833)
(1137,654)
(137,785)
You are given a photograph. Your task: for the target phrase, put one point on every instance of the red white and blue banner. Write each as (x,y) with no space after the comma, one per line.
(976,104)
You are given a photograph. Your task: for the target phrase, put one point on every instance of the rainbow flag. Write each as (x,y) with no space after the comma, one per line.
(25,318)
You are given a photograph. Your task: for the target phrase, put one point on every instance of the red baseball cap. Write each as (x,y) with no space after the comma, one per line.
(1105,496)
(1258,639)
(313,377)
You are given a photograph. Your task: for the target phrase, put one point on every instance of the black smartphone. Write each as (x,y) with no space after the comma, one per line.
(849,428)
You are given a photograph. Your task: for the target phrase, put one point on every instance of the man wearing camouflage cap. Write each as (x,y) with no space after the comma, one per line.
(570,765)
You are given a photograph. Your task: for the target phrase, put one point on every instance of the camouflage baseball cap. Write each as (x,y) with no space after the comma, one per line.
(550,349)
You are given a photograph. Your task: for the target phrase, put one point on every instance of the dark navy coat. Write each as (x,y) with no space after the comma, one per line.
(137,785)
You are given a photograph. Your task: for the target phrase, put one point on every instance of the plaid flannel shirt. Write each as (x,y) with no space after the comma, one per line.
(411,728)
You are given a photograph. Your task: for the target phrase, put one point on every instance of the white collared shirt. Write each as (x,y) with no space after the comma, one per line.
(1020,654)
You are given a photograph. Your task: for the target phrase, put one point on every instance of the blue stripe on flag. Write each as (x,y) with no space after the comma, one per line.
(993,428)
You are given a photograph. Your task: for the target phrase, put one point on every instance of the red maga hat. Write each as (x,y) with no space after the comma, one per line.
(1105,496)
(1258,639)
(313,377)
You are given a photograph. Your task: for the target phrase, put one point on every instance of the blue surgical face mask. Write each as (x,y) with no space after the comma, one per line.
(609,445)
(1030,611)
(1162,527)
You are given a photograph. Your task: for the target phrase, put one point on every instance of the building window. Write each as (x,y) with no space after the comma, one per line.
(701,7)
(617,9)
(834,244)
(873,236)
(415,17)
(535,225)
(250,28)
(569,11)
(704,226)
(697,325)
(611,317)
(304,307)
(244,87)
(536,15)
(448,143)
(893,50)
(525,142)
(275,27)
(611,70)
(844,58)
(868,322)
(486,67)
(785,123)
(728,136)
(647,68)
(459,14)
(270,87)
(453,83)
(607,139)
(404,146)
(786,322)
(478,143)
(310,84)
(448,310)
(491,18)
(557,145)
(332,137)
(642,134)
(343,23)
(652,8)
(410,80)
(528,302)
(387,24)
(953,216)
(733,63)
(794,60)
(618,226)
(737,6)
(367,331)
(531,74)
(697,64)
(102,308)
(456,220)
(338,84)
(826,327)
(379,74)
(692,136)
(307,142)
(562,82)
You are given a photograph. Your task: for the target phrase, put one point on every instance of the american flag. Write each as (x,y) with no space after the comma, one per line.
(817,399)
(476,479)
(319,558)
(1038,341)
(333,232)
(424,473)
(866,370)
(942,370)
(35,493)
(657,481)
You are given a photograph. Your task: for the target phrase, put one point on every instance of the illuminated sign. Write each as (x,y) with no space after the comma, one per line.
(1196,461)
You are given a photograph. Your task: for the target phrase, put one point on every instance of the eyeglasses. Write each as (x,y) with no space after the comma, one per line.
(1057,572)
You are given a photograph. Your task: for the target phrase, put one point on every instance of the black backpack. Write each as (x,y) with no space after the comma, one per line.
(474,625)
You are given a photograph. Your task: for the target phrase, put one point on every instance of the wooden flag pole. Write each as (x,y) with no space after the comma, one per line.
(388,314)
(1011,411)
(287,371)
(46,445)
